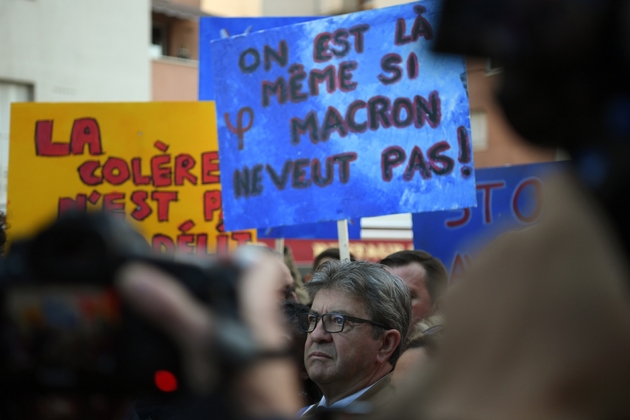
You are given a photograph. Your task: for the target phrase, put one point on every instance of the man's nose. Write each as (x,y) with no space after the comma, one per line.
(319,333)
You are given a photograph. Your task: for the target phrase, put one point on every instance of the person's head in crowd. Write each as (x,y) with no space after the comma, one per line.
(359,319)
(329,254)
(310,391)
(425,276)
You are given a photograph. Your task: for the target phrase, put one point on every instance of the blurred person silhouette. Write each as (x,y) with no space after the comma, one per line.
(262,381)
(266,387)
(284,294)
(540,328)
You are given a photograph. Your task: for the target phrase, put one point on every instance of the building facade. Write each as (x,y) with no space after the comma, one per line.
(175,49)
(70,51)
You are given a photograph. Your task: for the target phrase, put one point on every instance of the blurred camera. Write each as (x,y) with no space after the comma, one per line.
(65,329)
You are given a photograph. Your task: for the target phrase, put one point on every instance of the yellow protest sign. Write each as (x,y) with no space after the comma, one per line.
(154,163)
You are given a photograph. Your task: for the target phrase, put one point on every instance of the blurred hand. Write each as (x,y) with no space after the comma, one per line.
(267,387)
(164,301)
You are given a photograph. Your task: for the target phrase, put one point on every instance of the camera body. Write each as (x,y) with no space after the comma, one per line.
(65,329)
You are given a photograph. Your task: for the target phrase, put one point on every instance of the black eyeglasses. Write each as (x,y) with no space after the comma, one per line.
(333,323)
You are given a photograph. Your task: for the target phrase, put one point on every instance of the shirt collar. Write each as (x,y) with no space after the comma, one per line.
(344,402)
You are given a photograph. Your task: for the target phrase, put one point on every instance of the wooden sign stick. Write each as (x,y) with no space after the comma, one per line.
(344,240)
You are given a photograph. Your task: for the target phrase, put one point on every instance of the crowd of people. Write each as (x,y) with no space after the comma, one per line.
(391,340)
(341,349)
(332,353)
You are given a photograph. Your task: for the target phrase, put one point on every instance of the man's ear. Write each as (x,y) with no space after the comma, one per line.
(389,342)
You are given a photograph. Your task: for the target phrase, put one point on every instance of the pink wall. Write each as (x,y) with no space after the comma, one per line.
(173,81)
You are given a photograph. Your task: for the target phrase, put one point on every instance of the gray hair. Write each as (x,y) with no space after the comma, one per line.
(386,297)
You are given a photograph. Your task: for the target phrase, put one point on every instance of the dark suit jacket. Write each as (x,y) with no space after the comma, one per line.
(375,398)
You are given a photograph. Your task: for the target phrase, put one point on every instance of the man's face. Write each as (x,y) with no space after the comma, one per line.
(342,360)
(414,275)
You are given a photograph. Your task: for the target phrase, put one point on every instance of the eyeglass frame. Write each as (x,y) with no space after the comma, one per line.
(344,316)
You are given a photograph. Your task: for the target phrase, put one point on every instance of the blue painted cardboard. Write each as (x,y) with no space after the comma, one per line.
(322,230)
(389,133)
(211,28)
(509,197)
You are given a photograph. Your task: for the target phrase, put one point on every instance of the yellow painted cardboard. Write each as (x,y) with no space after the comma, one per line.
(78,155)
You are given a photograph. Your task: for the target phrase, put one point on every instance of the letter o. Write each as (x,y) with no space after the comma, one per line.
(399,105)
(537,184)
(115,171)
(242,60)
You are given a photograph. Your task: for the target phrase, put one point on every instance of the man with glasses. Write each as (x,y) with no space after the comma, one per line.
(359,318)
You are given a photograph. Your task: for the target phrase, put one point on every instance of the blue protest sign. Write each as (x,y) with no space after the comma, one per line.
(508,197)
(340,118)
(211,28)
(323,230)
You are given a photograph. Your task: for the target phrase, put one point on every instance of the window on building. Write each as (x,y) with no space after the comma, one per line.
(479,128)
(9,93)
(159,40)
